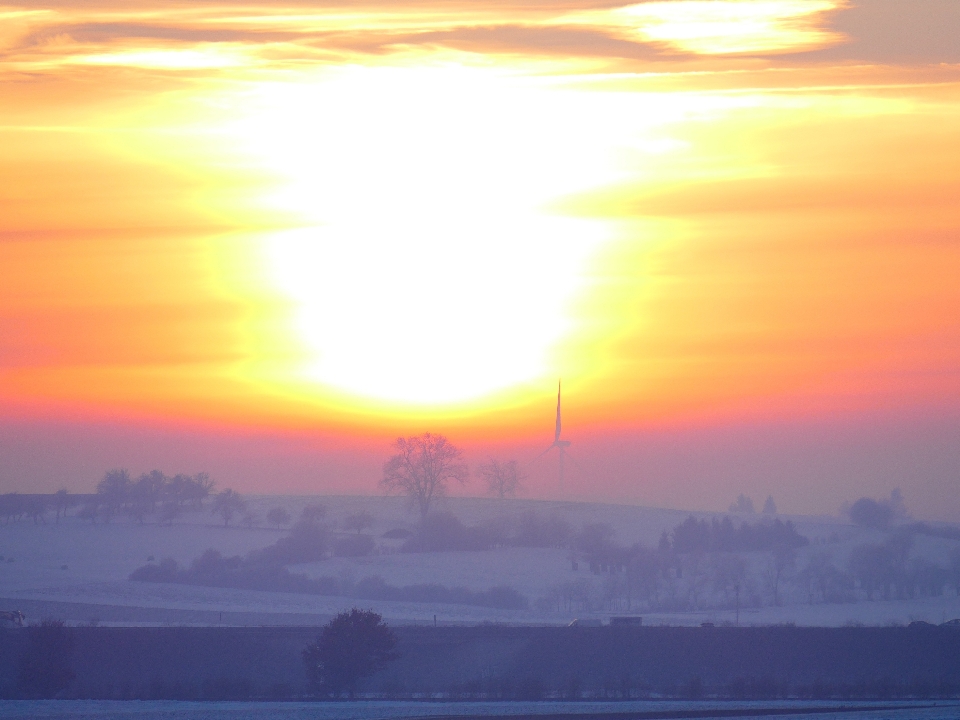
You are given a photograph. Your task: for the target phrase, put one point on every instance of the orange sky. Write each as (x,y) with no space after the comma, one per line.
(308,228)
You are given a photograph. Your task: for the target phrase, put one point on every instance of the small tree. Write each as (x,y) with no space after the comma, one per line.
(782,558)
(144,494)
(227,504)
(352,646)
(358,521)
(769,507)
(113,491)
(422,468)
(278,516)
(503,477)
(37,507)
(743,504)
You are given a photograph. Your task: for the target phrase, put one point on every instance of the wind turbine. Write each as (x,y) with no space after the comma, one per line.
(561,445)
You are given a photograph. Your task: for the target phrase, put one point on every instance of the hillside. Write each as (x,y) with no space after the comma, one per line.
(78,570)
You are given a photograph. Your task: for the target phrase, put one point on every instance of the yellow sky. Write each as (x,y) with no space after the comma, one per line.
(369,217)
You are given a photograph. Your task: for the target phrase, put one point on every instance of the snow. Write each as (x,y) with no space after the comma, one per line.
(99,558)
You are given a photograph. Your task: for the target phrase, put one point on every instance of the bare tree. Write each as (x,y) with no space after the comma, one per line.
(782,559)
(113,491)
(198,488)
(358,521)
(422,468)
(37,506)
(144,494)
(503,477)
(228,503)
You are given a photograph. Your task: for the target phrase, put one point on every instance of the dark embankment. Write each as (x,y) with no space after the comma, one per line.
(518,662)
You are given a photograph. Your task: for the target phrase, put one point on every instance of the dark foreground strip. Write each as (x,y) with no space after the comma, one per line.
(681,714)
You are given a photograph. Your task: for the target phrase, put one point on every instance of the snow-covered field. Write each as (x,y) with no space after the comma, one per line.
(77,570)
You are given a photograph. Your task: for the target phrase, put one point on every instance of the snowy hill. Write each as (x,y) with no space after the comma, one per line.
(77,569)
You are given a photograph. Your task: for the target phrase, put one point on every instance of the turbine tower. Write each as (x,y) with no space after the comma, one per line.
(561,445)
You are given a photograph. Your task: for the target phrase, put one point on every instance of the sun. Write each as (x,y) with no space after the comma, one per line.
(426,265)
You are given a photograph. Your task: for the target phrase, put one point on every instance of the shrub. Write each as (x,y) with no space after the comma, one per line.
(307,542)
(352,646)
(439,532)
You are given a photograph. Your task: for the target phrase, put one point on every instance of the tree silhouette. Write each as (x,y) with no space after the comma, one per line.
(871,513)
(352,646)
(113,491)
(145,493)
(422,468)
(278,516)
(743,504)
(358,521)
(227,504)
(503,477)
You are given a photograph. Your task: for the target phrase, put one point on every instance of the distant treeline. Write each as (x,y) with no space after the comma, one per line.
(309,541)
(692,536)
(440,532)
(701,564)
(152,494)
(14,507)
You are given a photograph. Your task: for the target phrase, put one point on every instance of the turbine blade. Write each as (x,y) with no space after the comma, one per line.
(556,435)
(539,456)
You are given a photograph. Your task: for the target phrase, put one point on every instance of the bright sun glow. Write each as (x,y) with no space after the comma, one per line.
(429,270)
(431,264)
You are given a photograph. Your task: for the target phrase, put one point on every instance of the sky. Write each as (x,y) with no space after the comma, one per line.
(266,239)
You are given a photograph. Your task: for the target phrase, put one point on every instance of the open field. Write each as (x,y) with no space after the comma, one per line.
(78,571)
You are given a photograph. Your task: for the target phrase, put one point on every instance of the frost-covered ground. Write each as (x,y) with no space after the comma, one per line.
(77,570)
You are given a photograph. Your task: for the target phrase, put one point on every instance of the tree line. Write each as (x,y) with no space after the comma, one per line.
(154,494)
(15,507)
(310,541)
